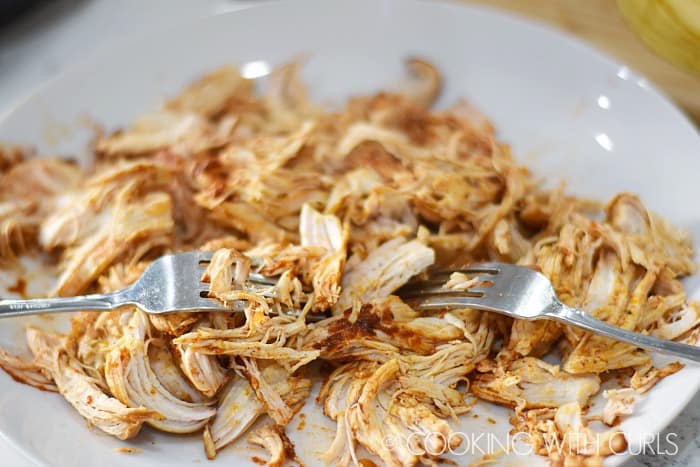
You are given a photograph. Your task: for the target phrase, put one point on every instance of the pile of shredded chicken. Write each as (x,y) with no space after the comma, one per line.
(341,208)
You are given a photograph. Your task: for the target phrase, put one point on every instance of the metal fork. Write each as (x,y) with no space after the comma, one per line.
(523,293)
(169,284)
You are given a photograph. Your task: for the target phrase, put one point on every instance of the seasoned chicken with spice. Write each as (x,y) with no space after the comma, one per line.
(339,208)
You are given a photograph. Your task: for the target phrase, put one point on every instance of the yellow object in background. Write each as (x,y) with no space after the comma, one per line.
(669,27)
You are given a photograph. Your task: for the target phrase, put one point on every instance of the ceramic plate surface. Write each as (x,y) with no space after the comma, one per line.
(570,114)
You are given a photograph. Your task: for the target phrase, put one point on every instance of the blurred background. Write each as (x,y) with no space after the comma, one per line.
(658,38)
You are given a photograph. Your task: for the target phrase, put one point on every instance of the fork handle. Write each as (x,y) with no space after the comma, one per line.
(578,318)
(95,302)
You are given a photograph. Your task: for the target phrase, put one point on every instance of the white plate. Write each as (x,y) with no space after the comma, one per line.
(569,112)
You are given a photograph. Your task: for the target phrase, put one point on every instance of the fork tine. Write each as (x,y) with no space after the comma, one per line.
(430,293)
(204,256)
(260,279)
(439,284)
(443,276)
(480,268)
(479,291)
(436,286)
(435,291)
(211,304)
(440,277)
(443,301)
(433,281)
(417,289)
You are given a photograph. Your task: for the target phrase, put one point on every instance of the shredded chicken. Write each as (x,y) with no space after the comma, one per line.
(238,409)
(132,380)
(271,391)
(384,270)
(83,392)
(25,372)
(339,209)
(274,440)
(620,402)
(580,440)
(647,376)
(532,383)
(325,231)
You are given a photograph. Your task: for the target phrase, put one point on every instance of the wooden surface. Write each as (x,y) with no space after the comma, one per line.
(600,23)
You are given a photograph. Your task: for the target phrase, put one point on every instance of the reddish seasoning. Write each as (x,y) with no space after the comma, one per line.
(20,288)
(258,461)
(491,421)
(20,379)
(366,463)
(442,460)
(128,450)
(302,421)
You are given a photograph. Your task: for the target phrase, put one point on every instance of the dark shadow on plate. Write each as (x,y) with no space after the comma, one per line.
(19,18)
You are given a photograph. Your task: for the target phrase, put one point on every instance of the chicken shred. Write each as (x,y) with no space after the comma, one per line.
(274,440)
(532,383)
(340,209)
(25,372)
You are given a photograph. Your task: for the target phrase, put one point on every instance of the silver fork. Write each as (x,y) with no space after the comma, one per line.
(523,293)
(169,284)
